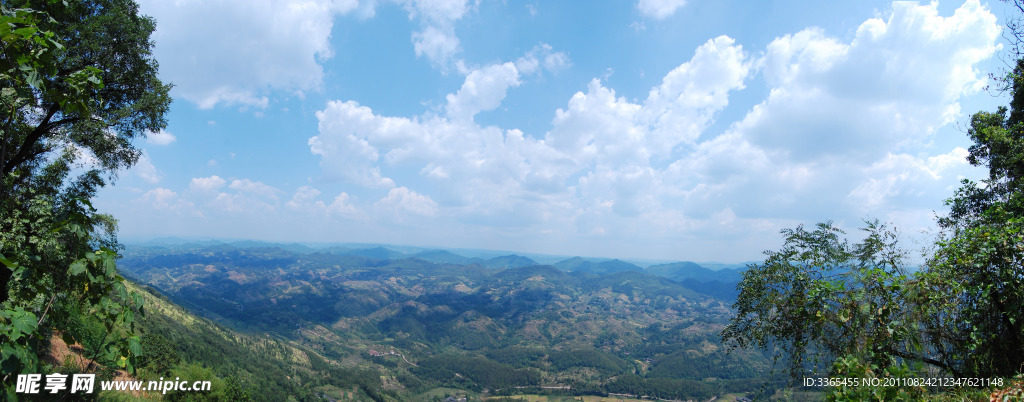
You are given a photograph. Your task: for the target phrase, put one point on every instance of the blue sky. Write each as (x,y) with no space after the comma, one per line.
(668,129)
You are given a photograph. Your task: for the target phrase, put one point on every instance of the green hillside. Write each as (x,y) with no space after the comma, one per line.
(257,365)
(394,329)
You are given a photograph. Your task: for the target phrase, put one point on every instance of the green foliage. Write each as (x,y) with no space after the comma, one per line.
(819,297)
(31,59)
(76,77)
(88,290)
(566,359)
(517,356)
(974,283)
(974,290)
(159,354)
(855,309)
(18,344)
(191,373)
(475,373)
(450,326)
(662,388)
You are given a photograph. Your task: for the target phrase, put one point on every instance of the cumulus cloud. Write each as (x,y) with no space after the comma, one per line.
(306,200)
(888,89)
(844,127)
(843,132)
(483,90)
(304,196)
(401,201)
(542,58)
(244,196)
(599,137)
(238,203)
(237,196)
(436,39)
(164,199)
(206,184)
(145,169)
(161,137)
(234,52)
(903,175)
(253,187)
(346,153)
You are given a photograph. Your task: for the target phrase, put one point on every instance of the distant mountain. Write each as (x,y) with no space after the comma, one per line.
(345,260)
(577,264)
(508,261)
(715,266)
(573,264)
(177,241)
(336,250)
(723,290)
(523,273)
(408,328)
(294,247)
(719,283)
(680,271)
(377,252)
(441,257)
(216,248)
(607,267)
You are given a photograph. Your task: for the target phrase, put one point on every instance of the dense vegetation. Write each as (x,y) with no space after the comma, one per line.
(423,326)
(831,308)
(77,82)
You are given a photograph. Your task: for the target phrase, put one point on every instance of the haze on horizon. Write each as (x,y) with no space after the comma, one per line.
(658,129)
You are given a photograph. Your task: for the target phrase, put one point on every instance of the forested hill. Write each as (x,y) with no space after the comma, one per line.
(476,327)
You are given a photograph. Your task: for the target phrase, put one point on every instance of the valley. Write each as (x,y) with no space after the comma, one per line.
(417,321)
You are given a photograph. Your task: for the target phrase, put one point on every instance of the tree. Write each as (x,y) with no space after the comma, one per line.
(819,298)
(977,315)
(856,310)
(77,83)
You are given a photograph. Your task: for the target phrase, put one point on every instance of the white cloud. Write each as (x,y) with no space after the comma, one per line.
(659,9)
(164,199)
(438,44)
(955,158)
(342,144)
(206,184)
(161,137)
(686,102)
(342,205)
(485,173)
(903,175)
(402,201)
(557,61)
(145,169)
(844,131)
(436,40)
(888,89)
(483,89)
(253,187)
(542,55)
(241,203)
(306,200)
(303,197)
(234,52)
(245,196)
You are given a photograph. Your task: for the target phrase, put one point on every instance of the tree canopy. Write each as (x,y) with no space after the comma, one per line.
(78,83)
(826,307)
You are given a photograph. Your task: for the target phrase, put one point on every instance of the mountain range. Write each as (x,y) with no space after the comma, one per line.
(431,319)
